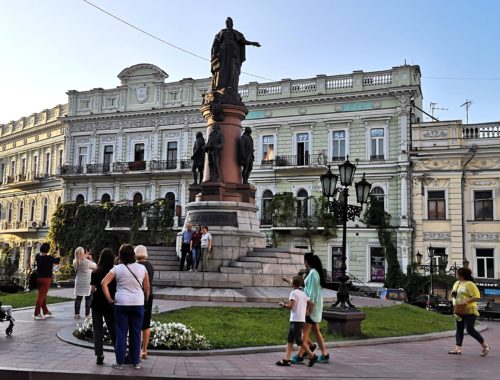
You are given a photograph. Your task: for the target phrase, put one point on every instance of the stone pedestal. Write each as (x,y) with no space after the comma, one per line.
(230,188)
(346,322)
(234,228)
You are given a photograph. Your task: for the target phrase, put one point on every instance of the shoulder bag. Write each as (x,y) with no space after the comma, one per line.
(141,284)
(459,309)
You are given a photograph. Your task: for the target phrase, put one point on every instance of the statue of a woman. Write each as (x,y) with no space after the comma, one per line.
(228,53)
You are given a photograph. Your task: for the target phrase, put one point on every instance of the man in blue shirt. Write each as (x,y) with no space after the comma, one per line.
(186,247)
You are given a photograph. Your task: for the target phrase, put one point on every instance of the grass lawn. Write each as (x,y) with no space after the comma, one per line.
(230,327)
(23,299)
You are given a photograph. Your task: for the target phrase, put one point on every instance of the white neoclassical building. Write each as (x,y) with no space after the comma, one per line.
(31,151)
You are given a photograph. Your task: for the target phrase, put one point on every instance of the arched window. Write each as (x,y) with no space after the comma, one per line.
(80,199)
(32,210)
(45,210)
(266,213)
(9,213)
(1,212)
(105,198)
(302,209)
(170,199)
(59,200)
(377,196)
(137,199)
(21,211)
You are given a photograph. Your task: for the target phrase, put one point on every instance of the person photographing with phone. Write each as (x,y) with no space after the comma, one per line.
(84,265)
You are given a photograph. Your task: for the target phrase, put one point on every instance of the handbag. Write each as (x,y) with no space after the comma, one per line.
(460,309)
(140,283)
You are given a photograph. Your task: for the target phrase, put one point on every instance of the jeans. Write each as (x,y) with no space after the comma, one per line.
(78,303)
(97,322)
(41,301)
(195,254)
(467,322)
(185,254)
(128,319)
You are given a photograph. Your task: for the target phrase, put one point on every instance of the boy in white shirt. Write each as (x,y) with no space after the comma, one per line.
(299,306)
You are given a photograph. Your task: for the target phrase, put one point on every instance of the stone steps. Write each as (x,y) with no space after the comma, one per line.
(268,260)
(198,284)
(245,264)
(164,267)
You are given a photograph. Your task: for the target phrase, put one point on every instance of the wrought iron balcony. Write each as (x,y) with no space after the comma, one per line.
(298,160)
(70,170)
(98,168)
(377,157)
(186,164)
(157,165)
(136,165)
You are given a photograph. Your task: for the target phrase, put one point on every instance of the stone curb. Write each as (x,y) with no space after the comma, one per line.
(33,307)
(66,335)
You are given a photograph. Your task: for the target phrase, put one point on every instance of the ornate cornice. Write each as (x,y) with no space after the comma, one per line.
(39,129)
(436,236)
(485,236)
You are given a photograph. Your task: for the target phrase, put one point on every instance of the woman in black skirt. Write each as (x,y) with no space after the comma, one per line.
(141,254)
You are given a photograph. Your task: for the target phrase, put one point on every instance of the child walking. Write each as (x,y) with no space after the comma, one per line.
(299,306)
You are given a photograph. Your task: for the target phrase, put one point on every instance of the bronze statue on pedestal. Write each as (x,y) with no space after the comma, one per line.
(198,158)
(228,54)
(246,154)
(214,146)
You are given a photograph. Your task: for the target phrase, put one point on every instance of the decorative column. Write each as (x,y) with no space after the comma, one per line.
(404,199)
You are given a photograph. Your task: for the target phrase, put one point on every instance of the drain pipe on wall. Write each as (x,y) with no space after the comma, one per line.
(473,150)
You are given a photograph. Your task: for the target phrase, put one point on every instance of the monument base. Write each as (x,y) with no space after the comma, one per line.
(233,226)
(346,322)
(215,191)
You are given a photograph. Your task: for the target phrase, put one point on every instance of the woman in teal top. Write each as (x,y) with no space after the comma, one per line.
(313,289)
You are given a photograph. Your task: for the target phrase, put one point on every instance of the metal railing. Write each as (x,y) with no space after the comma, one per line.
(70,170)
(98,168)
(297,160)
(163,165)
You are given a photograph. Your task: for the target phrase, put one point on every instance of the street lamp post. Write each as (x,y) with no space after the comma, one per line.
(343,210)
(430,266)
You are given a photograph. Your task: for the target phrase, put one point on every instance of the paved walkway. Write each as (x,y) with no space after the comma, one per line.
(34,346)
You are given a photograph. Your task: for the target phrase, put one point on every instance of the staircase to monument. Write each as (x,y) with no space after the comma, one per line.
(163,258)
(261,267)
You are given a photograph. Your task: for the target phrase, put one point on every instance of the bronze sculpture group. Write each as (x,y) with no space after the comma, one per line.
(227,56)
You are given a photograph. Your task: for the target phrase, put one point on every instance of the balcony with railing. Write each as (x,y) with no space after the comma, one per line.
(161,165)
(121,167)
(290,161)
(24,226)
(98,168)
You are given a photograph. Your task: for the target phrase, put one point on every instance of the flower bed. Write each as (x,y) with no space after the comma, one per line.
(164,336)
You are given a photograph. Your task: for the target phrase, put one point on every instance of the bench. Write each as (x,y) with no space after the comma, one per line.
(491,311)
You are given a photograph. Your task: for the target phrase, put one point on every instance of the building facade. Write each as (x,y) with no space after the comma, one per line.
(134,143)
(31,151)
(456,187)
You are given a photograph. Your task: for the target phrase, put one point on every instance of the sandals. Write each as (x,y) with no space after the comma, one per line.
(455,352)
(144,355)
(283,363)
(486,351)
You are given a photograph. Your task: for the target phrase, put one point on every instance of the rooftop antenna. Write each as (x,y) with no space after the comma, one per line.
(467,105)
(433,106)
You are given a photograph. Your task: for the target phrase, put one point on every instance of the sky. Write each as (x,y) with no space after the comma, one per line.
(49,47)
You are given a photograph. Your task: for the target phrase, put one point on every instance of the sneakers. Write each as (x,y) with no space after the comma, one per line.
(38,317)
(324,358)
(48,315)
(137,366)
(485,351)
(117,366)
(297,359)
(313,360)
(77,316)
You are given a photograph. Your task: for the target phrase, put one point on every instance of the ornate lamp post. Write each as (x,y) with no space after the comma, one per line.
(427,267)
(344,211)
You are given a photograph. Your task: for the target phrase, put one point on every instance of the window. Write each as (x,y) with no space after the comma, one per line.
(302,149)
(302,206)
(59,200)
(23,166)
(82,156)
(137,199)
(267,150)
(377,196)
(61,158)
(80,199)
(21,211)
(377,264)
(9,213)
(377,144)
(1,212)
(139,152)
(336,262)
(266,214)
(47,163)
(485,263)
(2,171)
(45,211)
(32,210)
(13,168)
(171,154)
(170,199)
(105,198)
(483,205)
(35,165)
(107,157)
(339,145)
(436,205)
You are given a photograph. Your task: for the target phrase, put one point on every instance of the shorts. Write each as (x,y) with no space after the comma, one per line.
(295,333)
(309,321)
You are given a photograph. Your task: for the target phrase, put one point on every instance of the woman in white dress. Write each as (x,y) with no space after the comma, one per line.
(84,265)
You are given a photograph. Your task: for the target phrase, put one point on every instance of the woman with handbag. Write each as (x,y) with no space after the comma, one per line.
(84,265)
(132,287)
(465,295)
